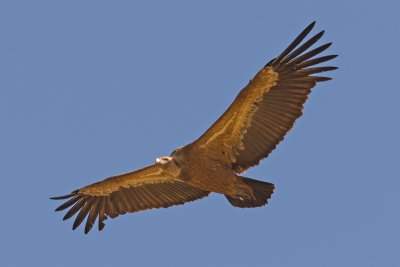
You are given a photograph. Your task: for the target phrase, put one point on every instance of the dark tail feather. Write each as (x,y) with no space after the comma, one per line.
(262,192)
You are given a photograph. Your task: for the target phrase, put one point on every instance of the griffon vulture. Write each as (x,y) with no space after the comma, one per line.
(249,130)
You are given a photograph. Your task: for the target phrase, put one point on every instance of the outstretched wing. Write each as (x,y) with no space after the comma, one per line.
(143,189)
(266,109)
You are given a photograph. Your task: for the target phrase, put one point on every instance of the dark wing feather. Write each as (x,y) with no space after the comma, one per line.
(266,109)
(141,190)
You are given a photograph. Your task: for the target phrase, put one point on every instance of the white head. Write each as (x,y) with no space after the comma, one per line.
(169,165)
(163,160)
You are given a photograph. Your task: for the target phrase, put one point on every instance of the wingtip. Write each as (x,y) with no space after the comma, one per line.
(73,193)
(62,197)
(101,226)
(86,231)
(310,26)
(295,43)
(322,79)
(75,225)
(58,209)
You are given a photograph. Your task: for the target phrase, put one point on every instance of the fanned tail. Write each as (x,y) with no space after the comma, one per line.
(262,192)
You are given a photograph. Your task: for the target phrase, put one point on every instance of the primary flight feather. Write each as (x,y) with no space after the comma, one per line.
(248,131)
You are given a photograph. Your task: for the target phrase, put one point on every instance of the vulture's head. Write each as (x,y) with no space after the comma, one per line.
(163,160)
(169,165)
(174,159)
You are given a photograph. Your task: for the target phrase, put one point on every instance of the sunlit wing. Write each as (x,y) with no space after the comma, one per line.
(144,189)
(266,109)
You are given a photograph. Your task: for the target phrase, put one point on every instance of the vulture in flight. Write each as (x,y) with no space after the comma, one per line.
(248,131)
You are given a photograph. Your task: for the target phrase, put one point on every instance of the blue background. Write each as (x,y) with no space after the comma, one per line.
(90,89)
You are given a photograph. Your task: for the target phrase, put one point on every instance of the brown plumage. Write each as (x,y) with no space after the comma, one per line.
(249,130)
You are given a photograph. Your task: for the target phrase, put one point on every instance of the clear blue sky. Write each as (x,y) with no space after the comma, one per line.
(90,89)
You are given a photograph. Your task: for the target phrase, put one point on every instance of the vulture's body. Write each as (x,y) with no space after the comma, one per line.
(263,112)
